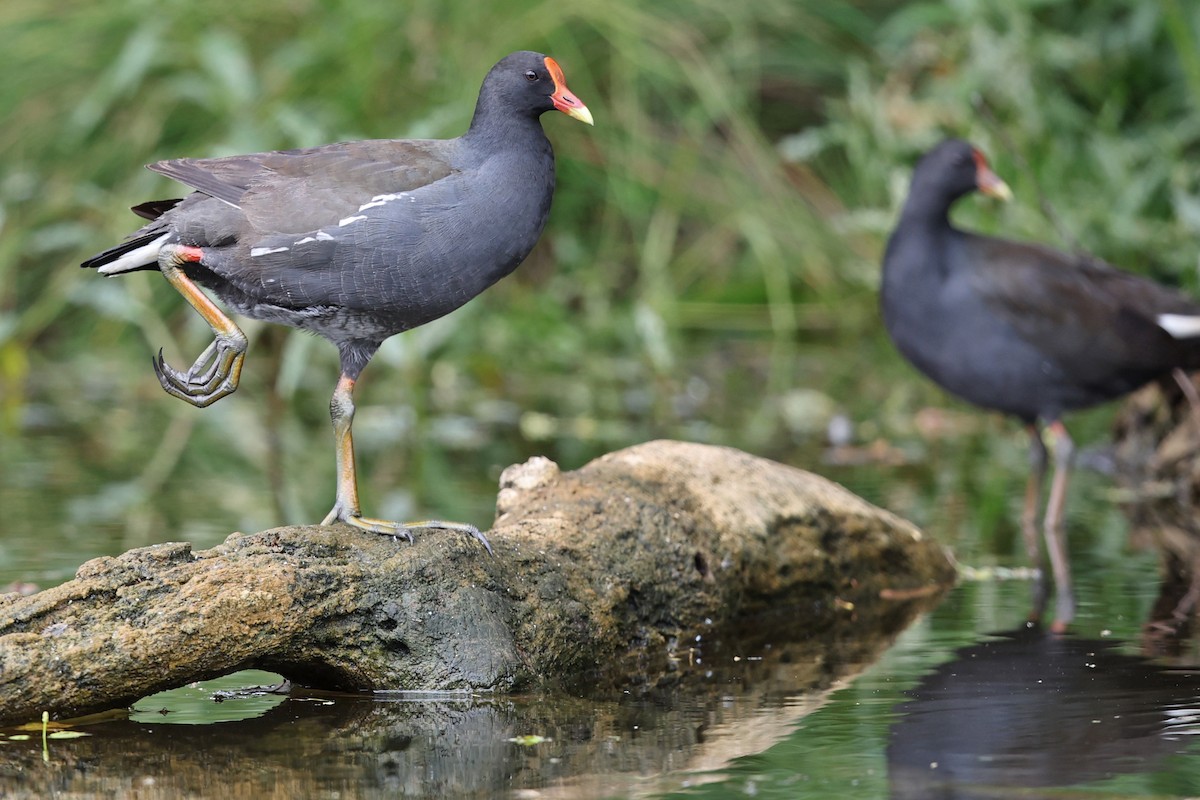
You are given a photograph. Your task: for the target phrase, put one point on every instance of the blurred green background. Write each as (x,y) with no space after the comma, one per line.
(709,270)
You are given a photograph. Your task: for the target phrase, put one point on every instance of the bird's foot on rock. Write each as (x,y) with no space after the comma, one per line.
(404,530)
(214,374)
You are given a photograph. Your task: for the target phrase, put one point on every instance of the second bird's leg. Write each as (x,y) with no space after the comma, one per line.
(345,508)
(1029,520)
(1056,546)
(216,372)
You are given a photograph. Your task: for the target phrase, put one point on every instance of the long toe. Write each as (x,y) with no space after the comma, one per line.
(213,373)
(203,384)
(168,376)
(460,527)
(177,383)
(382,527)
(404,530)
(203,371)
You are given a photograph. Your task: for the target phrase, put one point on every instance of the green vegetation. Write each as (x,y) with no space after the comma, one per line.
(710,261)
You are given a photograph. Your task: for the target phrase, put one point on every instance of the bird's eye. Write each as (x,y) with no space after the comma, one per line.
(530,75)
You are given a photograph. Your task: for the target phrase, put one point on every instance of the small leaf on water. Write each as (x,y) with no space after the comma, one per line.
(67,734)
(529,740)
(19,737)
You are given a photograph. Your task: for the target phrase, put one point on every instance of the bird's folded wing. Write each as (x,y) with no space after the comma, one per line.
(1086,316)
(296,191)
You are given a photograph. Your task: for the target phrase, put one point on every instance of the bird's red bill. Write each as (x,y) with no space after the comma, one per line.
(989,182)
(562,98)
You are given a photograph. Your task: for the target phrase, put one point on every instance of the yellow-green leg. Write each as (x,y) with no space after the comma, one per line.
(345,508)
(217,370)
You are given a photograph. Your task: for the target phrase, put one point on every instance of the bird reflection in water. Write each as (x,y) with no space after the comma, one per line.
(1031,709)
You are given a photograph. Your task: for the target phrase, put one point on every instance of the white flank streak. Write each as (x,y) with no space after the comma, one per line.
(266,251)
(380,199)
(348,220)
(1180,326)
(321,236)
(146,254)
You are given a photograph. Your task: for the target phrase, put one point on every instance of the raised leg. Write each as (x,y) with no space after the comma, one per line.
(219,368)
(1029,521)
(345,508)
(1056,547)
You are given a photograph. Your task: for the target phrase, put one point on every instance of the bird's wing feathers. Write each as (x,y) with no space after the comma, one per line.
(1082,313)
(295,191)
(223,178)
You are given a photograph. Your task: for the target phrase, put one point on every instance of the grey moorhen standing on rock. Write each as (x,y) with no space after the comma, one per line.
(354,241)
(1023,329)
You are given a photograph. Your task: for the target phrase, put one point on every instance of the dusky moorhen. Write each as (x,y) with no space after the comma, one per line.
(1023,329)
(354,241)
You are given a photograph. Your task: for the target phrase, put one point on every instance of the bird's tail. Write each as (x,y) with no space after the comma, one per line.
(1180,326)
(139,251)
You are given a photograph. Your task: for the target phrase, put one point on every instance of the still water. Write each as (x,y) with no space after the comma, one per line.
(946,710)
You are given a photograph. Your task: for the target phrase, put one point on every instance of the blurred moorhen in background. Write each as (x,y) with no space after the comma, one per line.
(354,241)
(1023,329)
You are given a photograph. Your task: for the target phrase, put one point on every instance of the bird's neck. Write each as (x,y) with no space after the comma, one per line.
(500,125)
(921,235)
(926,211)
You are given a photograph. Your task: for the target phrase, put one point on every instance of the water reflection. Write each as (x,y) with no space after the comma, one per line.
(1034,710)
(734,694)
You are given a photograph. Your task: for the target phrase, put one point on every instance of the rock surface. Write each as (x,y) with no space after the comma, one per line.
(598,576)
